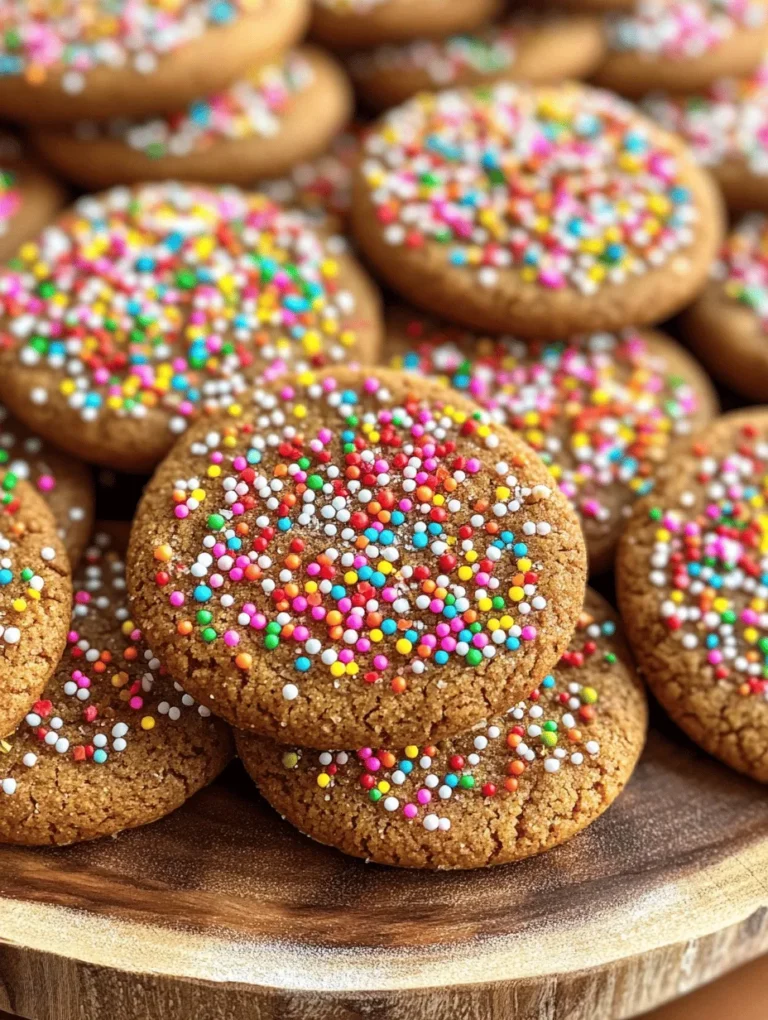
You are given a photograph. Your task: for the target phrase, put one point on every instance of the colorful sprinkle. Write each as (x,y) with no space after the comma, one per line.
(601,410)
(708,566)
(250,108)
(172,297)
(680,29)
(38,38)
(551,730)
(106,675)
(742,267)
(489,174)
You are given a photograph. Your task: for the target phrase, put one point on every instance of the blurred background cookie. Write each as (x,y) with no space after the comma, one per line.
(538,48)
(259,126)
(62,62)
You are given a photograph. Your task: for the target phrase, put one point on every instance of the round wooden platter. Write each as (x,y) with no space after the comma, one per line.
(224,912)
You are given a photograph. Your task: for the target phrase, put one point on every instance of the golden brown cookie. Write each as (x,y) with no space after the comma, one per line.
(29,198)
(728,325)
(260,126)
(692,573)
(62,62)
(538,48)
(538,211)
(726,128)
(683,45)
(515,785)
(112,743)
(66,484)
(344,24)
(603,411)
(35,598)
(148,307)
(358,557)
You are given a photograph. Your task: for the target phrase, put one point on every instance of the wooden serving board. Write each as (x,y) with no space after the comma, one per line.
(224,912)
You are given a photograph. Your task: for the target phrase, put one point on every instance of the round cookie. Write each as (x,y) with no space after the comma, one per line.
(139,309)
(66,484)
(35,598)
(514,786)
(259,126)
(604,411)
(539,211)
(536,48)
(28,200)
(357,557)
(727,326)
(345,24)
(321,188)
(683,45)
(691,575)
(133,58)
(726,128)
(113,742)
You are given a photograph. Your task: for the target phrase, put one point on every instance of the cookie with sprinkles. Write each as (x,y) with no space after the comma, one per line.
(261,125)
(683,45)
(540,211)
(321,188)
(139,309)
(727,326)
(35,597)
(726,128)
(540,48)
(515,785)
(63,61)
(357,554)
(112,742)
(692,575)
(29,198)
(341,24)
(66,484)
(603,411)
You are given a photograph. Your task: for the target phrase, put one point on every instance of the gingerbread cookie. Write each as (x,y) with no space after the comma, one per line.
(28,200)
(322,187)
(728,325)
(726,128)
(526,47)
(113,742)
(515,785)
(543,212)
(691,577)
(139,309)
(357,556)
(603,412)
(65,483)
(133,58)
(683,45)
(344,24)
(35,598)
(261,125)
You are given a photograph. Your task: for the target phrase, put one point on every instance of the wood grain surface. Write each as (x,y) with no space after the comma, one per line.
(224,912)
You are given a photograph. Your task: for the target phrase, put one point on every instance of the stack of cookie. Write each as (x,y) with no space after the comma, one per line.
(190,89)
(394,49)
(367,534)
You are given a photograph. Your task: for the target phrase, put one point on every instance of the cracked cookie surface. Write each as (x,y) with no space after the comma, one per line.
(512,787)
(358,556)
(112,742)
(692,576)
